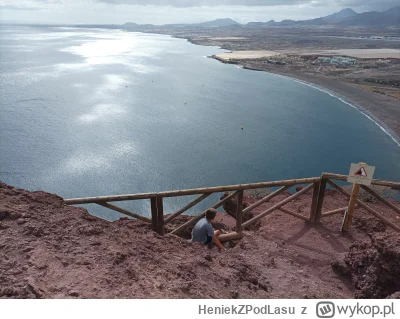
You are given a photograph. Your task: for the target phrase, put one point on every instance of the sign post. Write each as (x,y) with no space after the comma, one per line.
(359,173)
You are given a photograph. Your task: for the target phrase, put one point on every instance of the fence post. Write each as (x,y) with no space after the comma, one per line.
(160,215)
(320,202)
(239,212)
(350,210)
(314,202)
(154,219)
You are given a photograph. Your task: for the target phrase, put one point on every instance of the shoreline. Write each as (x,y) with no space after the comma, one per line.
(382,125)
(364,101)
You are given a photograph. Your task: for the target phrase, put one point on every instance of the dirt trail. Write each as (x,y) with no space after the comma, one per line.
(49,250)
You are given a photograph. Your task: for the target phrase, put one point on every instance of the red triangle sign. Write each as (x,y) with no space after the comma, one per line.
(361,172)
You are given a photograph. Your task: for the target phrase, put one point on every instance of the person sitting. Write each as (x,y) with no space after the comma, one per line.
(204,233)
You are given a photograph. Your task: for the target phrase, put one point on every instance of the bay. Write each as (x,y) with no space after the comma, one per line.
(90,112)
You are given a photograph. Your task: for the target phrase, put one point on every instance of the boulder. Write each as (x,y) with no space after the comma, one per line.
(230,207)
(375,266)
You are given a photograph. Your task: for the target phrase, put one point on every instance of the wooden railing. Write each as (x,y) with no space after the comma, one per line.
(316,184)
(326,178)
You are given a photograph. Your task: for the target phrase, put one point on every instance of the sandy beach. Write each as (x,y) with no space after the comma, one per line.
(246,54)
(382,109)
(226,38)
(356,53)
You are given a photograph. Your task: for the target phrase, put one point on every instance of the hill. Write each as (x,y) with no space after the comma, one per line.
(340,16)
(389,17)
(218,23)
(345,17)
(49,250)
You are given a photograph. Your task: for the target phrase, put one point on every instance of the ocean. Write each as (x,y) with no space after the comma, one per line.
(90,112)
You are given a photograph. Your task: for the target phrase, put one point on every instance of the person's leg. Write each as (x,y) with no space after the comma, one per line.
(208,241)
(216,240)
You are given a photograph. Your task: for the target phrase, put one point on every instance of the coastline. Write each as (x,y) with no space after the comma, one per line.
(383,110)
(368,103)
(332,89)
(387,118)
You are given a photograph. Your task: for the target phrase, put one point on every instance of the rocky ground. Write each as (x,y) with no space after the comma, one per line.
(49,250)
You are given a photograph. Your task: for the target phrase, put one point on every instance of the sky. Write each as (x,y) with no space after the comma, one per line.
(176,11)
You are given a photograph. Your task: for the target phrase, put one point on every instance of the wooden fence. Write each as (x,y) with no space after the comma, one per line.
(316,184)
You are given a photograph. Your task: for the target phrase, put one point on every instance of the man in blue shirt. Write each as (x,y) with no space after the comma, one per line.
(204,233)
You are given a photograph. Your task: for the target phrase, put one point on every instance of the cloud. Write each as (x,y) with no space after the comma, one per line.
(367,4)
(210,3)
(364,5)
(30,5)
(13,7)
(177,11)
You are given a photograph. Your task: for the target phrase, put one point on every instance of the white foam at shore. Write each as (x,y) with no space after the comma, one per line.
(341,99)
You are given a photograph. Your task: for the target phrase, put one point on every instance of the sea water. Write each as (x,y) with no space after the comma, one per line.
(90,112)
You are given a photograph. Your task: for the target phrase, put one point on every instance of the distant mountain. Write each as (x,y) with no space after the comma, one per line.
(256,24)
(389,17)
(130,24)
(218,23)
(287,22)
(340,16)
(345,17)
(317,21)
(260,24)
(330,19)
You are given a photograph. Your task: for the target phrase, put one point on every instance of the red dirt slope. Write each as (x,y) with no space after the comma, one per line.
(49,250)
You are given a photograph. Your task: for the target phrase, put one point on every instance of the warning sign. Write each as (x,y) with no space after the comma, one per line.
(361,173)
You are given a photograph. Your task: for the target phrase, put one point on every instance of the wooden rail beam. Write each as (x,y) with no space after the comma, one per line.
(314,202)
(348,216)
(382,199)
(217,189)
(320,201)
(365,206)
(373,182)
(266,198)
(154,214)
(197,218)
(284,210)
(276,206)
(335,211)
(239,212)
(160,215)
(125,212)
(184,209)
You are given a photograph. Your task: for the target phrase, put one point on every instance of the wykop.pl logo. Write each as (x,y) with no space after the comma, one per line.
(325,309)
